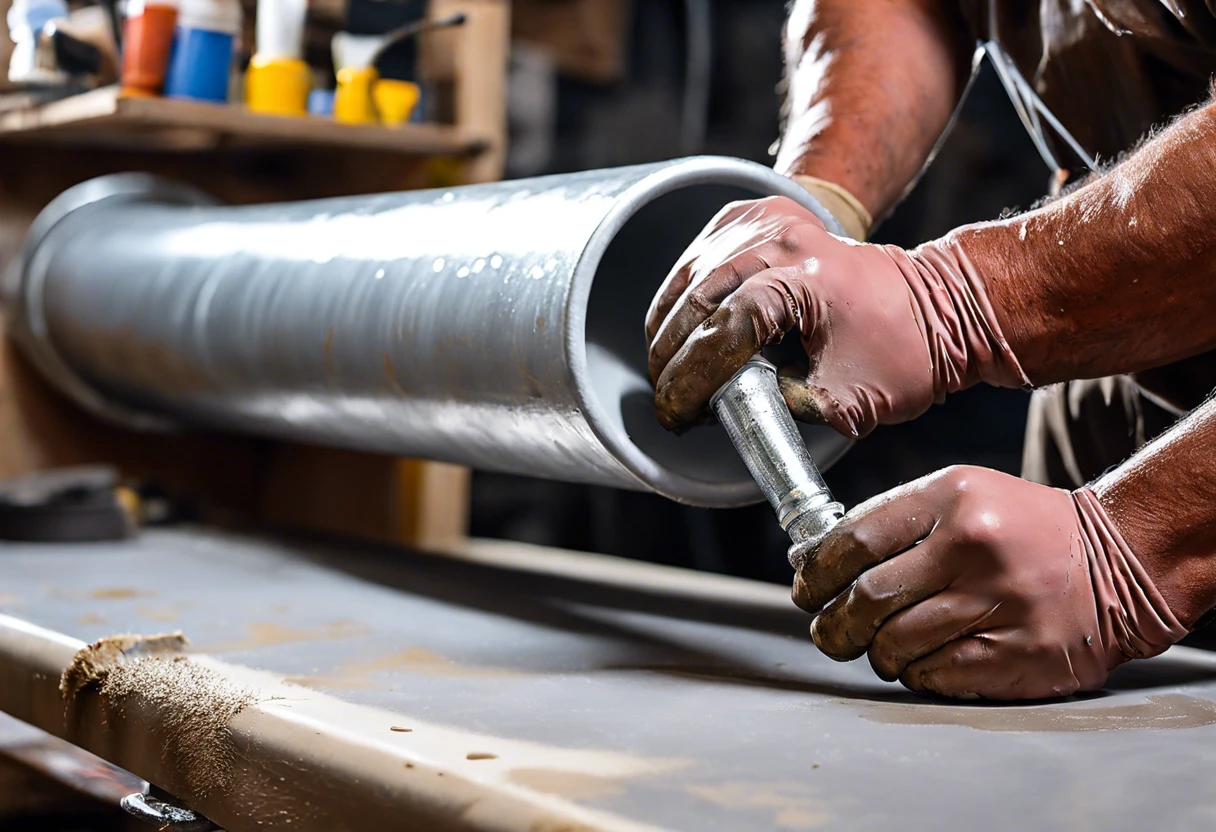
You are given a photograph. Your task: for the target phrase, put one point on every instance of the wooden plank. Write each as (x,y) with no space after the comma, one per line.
(586,37)
(157,123)
(472,60)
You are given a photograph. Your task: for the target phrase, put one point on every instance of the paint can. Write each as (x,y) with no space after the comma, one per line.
(278,80)
(201,62)
(146,43)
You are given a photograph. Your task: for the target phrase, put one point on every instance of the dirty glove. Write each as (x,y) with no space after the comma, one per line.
(972,583)
(887,332)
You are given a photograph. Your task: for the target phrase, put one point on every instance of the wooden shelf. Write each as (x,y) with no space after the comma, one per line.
(103,118)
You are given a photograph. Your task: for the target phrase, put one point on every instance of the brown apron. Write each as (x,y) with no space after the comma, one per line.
(1110,71)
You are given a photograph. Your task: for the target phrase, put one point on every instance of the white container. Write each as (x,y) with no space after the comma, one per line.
(223,16)
(280,29)
(26,19)
(353,51)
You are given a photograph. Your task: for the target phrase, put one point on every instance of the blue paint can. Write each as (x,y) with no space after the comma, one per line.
(201,61)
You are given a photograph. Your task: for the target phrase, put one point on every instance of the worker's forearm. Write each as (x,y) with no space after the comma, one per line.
(871,87)
(1117,277)
(1161,502)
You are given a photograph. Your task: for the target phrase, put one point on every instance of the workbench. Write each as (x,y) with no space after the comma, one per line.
(497,686)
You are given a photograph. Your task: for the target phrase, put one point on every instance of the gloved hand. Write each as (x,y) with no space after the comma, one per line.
(972,583)
(887,332)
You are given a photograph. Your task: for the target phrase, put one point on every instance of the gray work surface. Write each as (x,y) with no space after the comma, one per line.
(713,679)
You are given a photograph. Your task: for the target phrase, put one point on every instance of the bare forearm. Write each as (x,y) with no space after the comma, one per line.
(1162,502)
(871,87)
(1119,276)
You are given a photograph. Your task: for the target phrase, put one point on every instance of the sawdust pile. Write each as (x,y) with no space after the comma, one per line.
(146,683)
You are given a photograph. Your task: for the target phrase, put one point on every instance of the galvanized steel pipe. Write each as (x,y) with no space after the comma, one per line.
(497,325)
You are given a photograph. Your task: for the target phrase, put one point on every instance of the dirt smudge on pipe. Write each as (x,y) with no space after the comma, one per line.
(1165,711)
(327,355)
(390,375)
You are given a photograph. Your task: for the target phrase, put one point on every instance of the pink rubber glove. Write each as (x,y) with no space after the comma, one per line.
(972,583)
(887,332)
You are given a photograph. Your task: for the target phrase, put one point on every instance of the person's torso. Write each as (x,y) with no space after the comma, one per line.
(1110,70)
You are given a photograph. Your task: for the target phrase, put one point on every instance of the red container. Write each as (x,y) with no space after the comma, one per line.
(146,43)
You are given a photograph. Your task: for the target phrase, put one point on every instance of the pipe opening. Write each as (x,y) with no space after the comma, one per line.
(632,268)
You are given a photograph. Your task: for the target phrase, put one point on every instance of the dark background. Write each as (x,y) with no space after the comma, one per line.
(987,165)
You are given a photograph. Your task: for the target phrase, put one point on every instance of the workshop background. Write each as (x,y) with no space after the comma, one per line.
(702,76)
(591,84)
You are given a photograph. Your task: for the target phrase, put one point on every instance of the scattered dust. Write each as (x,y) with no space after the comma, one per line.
(91,618)
(424,662)
(1171,710)
(572,785)
(119,593)
(330,683)
(185,707)
(354,675)
(793,805)
(8,598)
(269,634)
(480,755)
(161,614)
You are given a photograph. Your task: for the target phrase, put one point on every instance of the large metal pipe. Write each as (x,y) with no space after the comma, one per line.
(498,325)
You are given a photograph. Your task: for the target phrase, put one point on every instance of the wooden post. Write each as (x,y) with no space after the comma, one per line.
(471,63)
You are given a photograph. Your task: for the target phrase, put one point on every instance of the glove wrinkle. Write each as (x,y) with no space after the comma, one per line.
(965,341)
(1134,619)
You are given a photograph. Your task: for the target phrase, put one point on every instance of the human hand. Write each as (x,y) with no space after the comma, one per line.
(887,332)
(971,583)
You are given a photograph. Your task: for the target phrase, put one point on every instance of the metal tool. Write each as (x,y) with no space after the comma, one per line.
(494,325)
(752,410)
(156,806)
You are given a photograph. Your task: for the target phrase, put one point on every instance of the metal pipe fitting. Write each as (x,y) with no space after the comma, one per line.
(754,413)
(496,325)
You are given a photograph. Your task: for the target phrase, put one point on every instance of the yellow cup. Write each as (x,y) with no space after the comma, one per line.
(277,86)
(395,100)
(353,98)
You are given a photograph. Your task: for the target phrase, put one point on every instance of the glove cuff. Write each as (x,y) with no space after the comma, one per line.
(846,208)
(1134,622)
(966,345)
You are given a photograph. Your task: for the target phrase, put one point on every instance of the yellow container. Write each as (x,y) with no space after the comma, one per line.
(395,100)
(278,86)
(353,98)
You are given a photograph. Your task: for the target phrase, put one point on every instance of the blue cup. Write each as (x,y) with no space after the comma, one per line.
(199,65)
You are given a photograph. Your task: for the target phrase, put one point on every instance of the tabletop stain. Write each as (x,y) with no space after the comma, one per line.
(1164,711)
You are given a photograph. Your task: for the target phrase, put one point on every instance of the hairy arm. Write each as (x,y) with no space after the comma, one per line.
(1162,501)
(1117,277)
(871,85)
